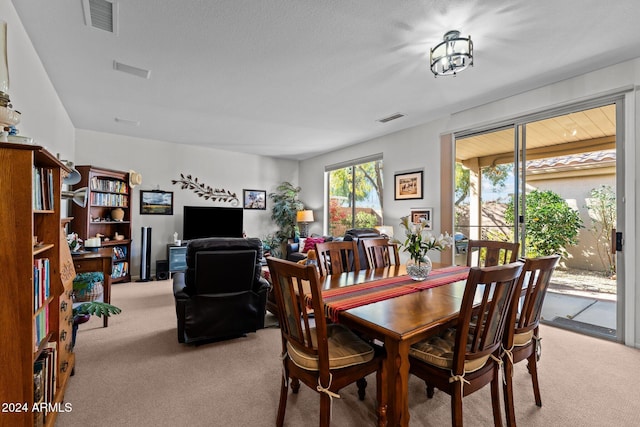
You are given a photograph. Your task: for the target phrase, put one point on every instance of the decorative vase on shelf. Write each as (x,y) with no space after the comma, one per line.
(419,270)
(117,214)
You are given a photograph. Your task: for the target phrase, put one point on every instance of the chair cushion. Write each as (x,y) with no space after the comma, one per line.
(522,339)
(345,349)
(438,351)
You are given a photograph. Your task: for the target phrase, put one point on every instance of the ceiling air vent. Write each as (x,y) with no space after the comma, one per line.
(391,117)
(130,69)
(100,14)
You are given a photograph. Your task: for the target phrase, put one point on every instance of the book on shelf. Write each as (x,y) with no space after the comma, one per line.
(119,252)
(44,379)
(43,188)
(109,185)
(40,327)
(41,282)
(119,269)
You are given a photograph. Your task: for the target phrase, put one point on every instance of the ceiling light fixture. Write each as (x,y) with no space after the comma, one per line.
(452,55)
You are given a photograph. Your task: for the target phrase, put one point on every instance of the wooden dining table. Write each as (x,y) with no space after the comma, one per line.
(398,322)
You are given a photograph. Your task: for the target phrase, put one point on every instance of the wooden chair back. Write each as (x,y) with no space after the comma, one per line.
(488,253)
(310,340)
(381,253)
(526,306)
(337,257)
(521,340)
(291,282)
(483,313)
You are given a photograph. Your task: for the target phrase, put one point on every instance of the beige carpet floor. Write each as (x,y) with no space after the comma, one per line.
(135,373)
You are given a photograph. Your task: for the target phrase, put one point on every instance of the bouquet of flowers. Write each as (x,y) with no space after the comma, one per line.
(418,241)
(75,243)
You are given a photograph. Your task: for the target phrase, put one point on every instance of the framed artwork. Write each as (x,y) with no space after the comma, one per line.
(156,202)
(426,214)
(408,185)
(254,199)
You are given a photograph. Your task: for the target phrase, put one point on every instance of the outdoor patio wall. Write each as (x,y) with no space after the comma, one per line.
(159,162)
(419,148)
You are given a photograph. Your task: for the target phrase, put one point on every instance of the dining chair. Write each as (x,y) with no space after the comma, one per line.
(465,358)
(325,357)
(521,338)
(337,257)
(487,253)
(381,253)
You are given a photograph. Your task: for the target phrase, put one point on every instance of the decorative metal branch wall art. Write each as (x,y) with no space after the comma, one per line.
(203,190)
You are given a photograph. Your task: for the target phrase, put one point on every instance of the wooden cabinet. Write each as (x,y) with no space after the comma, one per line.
(35,287)
(108,213)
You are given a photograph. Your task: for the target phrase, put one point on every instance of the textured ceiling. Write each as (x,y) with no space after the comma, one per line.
(296,78)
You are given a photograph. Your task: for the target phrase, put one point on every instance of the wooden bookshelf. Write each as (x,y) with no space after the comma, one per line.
(107,190)
(35,286)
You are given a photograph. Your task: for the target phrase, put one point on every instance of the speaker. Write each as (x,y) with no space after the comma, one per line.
(162,269)
(145,255)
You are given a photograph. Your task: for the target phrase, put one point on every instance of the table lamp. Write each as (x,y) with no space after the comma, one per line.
(304,218)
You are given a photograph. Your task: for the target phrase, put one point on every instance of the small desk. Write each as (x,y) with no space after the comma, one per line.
(99,260)
(399,322)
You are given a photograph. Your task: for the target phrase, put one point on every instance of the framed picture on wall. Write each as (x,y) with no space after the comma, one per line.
(408,185)
(254,199)
(156,202)
(423,214)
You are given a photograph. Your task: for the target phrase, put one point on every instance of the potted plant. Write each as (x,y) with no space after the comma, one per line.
(87,287)
(418,242)
(284,210)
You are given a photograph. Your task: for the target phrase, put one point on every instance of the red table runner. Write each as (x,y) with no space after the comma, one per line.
(339,299)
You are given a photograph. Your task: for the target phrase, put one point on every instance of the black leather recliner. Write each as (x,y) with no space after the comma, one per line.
(358,234)
(222,294)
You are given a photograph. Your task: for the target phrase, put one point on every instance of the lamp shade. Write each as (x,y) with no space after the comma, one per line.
(304,216)
(73,177)
(78,196)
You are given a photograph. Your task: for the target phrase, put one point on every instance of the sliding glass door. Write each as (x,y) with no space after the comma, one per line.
(550,183)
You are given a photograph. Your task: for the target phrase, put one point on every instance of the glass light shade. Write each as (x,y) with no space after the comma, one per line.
(452,55)
(304,216)
(78,196)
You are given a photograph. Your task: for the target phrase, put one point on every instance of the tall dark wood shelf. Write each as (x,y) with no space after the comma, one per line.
(33,328)
(107,190)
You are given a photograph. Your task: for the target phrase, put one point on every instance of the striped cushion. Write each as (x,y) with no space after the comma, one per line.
(438,351)
(345,349)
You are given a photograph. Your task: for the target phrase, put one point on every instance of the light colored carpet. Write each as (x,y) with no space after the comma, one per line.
(135,373)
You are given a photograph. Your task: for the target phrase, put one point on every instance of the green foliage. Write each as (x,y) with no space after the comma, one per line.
(83,282)
(368,177)
(602,210)
(497,176)
(285,207)
(551,224)
(96,308)
(366,220)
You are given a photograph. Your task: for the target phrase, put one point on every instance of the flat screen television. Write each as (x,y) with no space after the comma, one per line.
(209,221)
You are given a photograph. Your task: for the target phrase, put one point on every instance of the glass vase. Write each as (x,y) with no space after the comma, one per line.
(419,270)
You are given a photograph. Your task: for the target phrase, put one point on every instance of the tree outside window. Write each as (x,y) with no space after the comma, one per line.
(355,197)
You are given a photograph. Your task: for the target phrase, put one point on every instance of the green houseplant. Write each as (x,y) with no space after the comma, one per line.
(284,210)
(87,287)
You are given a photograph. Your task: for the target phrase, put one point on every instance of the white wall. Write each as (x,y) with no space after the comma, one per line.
(159,162)
(419,148)
(32,93)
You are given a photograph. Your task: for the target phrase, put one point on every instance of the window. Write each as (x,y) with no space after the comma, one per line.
(355,194)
